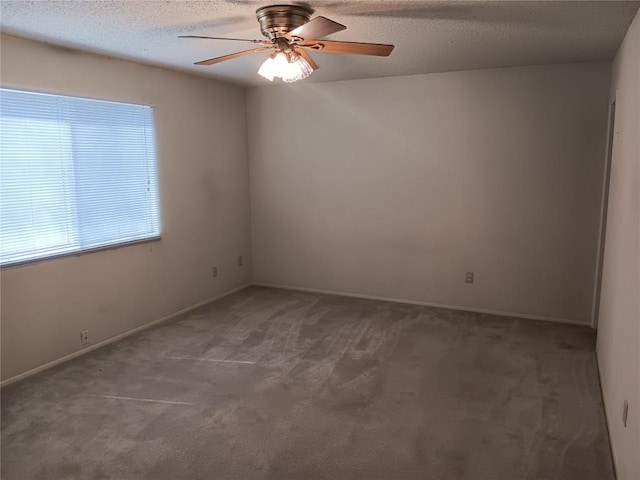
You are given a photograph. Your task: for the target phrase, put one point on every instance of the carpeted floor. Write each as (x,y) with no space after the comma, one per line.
(274,384)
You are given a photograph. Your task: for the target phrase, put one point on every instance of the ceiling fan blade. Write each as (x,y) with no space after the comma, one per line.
(316,28)
(355,48)
(212,61)
(261,42)
(303,53)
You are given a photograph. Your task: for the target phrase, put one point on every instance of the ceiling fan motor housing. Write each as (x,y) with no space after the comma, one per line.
(278,20)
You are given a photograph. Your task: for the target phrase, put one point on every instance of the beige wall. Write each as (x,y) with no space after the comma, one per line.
(396,187)
(201,148)
(619,321)
(390,187)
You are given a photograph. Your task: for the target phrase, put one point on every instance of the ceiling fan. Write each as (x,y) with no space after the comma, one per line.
(291,35)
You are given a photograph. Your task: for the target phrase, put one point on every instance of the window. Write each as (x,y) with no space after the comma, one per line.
(75,174)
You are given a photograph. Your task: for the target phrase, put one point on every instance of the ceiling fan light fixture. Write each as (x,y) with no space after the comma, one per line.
(290,68)
(290,33)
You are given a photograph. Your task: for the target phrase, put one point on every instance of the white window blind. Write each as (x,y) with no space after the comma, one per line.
(75,174)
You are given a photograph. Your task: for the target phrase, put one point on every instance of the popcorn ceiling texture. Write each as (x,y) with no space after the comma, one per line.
(429,36)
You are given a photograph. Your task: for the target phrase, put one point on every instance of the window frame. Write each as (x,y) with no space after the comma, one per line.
(85,251)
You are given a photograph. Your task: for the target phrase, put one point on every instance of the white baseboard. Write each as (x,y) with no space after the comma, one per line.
(58,361)
(53,363)
(426,304)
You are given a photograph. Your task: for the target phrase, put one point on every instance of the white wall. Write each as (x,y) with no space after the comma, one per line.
(203,175)
(396,187)
(619,321)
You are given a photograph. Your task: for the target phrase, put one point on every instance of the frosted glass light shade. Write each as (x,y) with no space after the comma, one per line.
(266,69)
(289,69)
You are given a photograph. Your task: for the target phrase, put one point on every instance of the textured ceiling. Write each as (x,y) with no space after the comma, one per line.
(429,36)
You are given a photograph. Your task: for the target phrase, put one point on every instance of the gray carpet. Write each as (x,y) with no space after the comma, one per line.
(273,384)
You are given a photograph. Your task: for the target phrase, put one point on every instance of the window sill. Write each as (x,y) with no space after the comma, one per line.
(22,263)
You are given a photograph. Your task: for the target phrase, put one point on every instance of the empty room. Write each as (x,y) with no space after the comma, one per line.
(374,239)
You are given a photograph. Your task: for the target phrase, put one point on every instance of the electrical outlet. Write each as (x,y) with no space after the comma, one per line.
(84,337)
(469,277)
(240,261)
(214,271)
(625,413)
